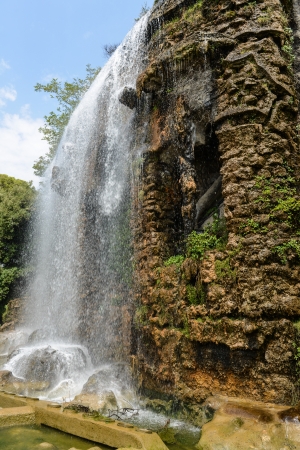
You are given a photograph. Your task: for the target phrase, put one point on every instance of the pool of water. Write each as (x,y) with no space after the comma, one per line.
(29,438)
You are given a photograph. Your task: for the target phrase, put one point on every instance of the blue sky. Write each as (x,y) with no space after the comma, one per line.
(40,40)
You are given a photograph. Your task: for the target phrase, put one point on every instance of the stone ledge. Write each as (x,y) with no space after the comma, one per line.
(20,415)
(43,413)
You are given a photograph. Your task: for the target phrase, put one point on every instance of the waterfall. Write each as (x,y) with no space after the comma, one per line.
(79,296)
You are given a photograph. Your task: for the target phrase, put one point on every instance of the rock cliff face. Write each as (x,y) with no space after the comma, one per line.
(220,98)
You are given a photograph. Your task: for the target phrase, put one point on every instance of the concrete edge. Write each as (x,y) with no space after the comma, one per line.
(34,411)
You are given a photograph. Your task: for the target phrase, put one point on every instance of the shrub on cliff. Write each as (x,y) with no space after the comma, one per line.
(214,236)
(16,202)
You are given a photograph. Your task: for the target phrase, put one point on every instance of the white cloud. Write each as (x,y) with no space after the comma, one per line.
(3,65)
(7,93)
(20,144)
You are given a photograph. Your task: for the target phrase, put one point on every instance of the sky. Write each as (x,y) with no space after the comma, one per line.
(41,40)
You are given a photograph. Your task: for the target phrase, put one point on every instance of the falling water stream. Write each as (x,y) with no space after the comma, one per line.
(89,175)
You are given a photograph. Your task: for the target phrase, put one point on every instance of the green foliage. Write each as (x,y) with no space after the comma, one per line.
(290,247)
(249,9)
(291,206)
(277,197)
(265,17)
(178,260)
(16,203)
(224,270)
(141,315)
(16,200)
(195,296)
(192,294)
(185,330)
(198,243)
(230,14)
(287,48)
(252,226)
(297,358)
(68,96)
(297,326)
(193,10)
(213,237)
(7,278)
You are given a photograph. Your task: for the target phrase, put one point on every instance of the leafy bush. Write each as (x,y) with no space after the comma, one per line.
(141,315)
(214,236)
(292,246)
(194,295)
(178,260)
(224,270)
(16,203)
(198,243)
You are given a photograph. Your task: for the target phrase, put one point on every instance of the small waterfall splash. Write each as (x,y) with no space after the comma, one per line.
(80,292)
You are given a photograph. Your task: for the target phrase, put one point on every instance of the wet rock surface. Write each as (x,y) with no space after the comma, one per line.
(221,96)
(128,97)
(111,375)
(242,424)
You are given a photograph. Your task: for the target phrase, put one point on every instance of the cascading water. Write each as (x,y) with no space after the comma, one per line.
(79,294)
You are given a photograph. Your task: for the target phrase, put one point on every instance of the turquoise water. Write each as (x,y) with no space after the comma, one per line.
(29,437)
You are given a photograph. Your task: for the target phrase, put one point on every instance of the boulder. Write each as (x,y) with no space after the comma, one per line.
(128,97)
(47,364)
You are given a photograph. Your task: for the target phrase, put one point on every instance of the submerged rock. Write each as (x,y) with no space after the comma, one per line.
(42,368)
(95,448)
(167,435)
(45,446)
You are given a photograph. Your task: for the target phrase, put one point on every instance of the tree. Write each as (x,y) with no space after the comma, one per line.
(16,205)
(68,96)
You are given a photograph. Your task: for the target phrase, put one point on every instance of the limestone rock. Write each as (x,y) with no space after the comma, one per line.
(223,106)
